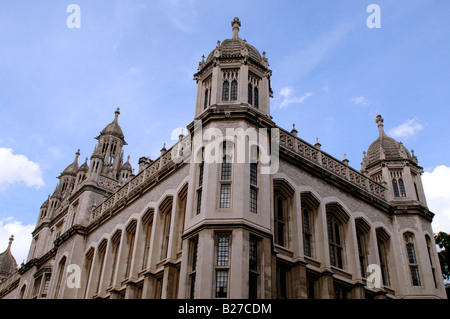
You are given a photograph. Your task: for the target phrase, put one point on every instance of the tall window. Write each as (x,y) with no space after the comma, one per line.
(307,232)
(413,264)
(225,178)
(166,233)
(115,241)
(256,97)
(148,229)
(362,252)
(395,187)
(222,265)
(201,168)
(234,90)
(205,104)
(397,184)
(230,84)
(225,90)
(250,94)
(131,236)
(402,187)
(254,186)
(253,268)
(101,260)
(383,244)
(335,242)
(280,221)
(88,266)
(433,271)
(193,271)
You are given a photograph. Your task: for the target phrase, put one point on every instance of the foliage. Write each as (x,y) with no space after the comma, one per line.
(443,241)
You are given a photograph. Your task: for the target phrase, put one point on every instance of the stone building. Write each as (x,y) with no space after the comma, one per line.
(200,228)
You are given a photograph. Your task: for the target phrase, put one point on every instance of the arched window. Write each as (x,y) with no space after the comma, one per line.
(412,260)
(147,221)
(225,90)
(205,104)
(280,221)
(250,94)
(115,241)
(256,97)
(234,90)
(101,253)
(402,187)
(310,205)
(395,187)
(429,248)
(22,291)
(383,252)
(61,269)
(335,242)
(166,233)
(201,168)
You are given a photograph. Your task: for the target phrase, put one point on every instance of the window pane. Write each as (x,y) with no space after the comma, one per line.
(221,283)
(253,254)
(225,196)
(253,200)
(254,174)
(200,175)
(223,250)
(199,201)
(225,90)
(250,94)
(226,168)
(411,253)
(256,98)
(402,187)
(234,90)
(415,275)
(308,245)
(395,187)
(206,99)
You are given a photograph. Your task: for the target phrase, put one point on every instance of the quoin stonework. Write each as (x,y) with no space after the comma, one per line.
(186,226)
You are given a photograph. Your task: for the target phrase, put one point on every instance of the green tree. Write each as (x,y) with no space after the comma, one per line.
(443,241)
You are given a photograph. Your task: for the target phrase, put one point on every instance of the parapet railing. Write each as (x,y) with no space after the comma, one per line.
(331,164)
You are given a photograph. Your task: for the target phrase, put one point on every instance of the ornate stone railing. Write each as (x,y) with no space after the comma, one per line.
(331,164)
(140,180)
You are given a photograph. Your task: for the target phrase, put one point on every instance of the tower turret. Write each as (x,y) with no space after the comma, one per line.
(233,75)
(389,162)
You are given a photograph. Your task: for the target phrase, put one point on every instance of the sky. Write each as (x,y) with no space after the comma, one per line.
(332,74)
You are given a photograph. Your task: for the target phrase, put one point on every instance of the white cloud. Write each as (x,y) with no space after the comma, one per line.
(18,168)
(360,100)
(406,129)
(436,184)
(287,95)
(22,238)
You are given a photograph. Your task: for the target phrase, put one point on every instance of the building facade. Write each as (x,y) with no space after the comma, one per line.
(187,226)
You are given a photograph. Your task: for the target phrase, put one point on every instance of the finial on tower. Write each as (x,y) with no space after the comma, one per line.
(11,239)
(117,112)
(236,24)
(379,120)
(78,153)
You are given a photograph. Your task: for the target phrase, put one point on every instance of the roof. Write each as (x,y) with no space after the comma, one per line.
(114,128)
(234,47)
(385,147)
(8,264)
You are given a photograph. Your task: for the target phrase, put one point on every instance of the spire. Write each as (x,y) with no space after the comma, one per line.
(11,239)
(379,120)
(236,24)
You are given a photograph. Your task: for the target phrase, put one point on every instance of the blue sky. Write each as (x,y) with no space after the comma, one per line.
(332,75)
